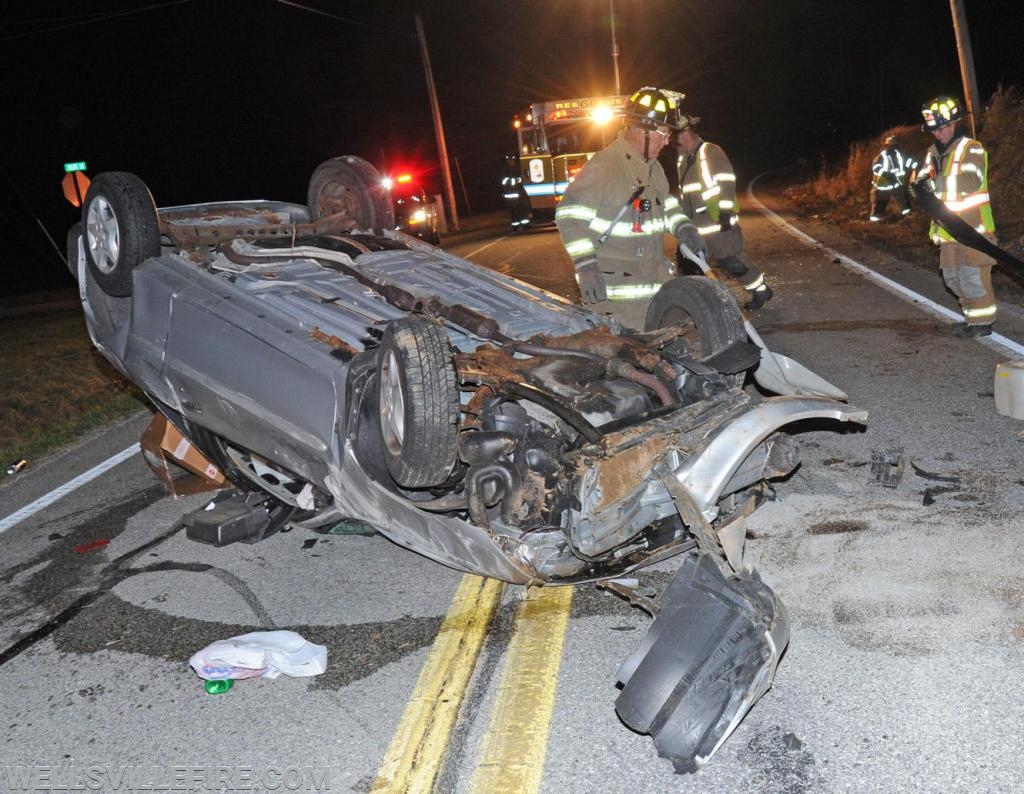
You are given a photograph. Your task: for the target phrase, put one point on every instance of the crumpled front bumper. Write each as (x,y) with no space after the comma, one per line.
(708,657)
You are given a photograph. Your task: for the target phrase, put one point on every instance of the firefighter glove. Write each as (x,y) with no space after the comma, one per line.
(692,239)
(725,218)
(591,282)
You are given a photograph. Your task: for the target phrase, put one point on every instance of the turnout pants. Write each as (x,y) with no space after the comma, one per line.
(968,274)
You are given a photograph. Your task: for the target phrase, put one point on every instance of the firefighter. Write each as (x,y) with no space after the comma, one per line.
(514,194)
(616,211)
(889,175)
(707,188)
(956,169)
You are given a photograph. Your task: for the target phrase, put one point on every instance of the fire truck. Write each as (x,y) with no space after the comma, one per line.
(555,139)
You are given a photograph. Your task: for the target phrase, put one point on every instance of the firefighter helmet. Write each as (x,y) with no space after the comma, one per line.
(939,112)
(650,108)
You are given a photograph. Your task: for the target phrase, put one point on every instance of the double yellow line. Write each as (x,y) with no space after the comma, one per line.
(513,750)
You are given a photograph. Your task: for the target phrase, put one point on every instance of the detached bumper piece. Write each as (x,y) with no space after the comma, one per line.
(709,655)
(229,518)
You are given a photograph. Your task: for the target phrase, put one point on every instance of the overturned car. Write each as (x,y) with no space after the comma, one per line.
(331,369)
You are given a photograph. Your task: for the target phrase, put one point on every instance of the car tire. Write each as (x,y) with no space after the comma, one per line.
(705,309)
(75,250)
(223,455)
(418,402)
(120,229)
(352,186)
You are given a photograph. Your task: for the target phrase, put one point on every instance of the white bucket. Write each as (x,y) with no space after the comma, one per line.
(1009,389)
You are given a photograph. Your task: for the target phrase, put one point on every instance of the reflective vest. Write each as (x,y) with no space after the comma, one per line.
(707,186)
(600,190)
(959,176)
(891,168)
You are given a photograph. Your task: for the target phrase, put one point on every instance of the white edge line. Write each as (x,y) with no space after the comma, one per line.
(483,247)
(905,293)
(63,490)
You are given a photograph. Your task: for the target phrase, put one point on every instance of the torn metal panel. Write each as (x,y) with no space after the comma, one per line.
(709,655)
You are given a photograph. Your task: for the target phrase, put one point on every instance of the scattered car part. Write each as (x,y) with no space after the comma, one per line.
(887,467)
(931,476)
(710,653)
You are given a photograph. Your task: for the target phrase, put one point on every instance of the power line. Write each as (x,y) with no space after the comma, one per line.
(344,19)
(82,21)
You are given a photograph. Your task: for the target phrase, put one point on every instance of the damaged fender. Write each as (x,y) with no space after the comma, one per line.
(707,658)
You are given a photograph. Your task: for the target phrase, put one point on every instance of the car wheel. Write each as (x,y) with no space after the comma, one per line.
(352,186)
(120,230)
(418,399)
(251,473)
(75,250)
(707,312)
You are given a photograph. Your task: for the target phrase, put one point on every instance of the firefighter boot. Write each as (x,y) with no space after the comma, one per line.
(969,331)
(759,297)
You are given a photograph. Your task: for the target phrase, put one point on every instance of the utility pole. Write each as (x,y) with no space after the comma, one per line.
(615,49)
(442,147)
(963,48)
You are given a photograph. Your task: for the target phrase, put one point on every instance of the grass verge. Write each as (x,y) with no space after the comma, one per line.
(57,386)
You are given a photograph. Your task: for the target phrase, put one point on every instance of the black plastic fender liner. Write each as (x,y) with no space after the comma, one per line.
(707,658)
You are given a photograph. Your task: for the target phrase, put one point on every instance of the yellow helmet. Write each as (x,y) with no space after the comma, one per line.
(651,107)
(939,112)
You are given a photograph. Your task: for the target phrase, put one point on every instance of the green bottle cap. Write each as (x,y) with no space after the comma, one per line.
(218,687)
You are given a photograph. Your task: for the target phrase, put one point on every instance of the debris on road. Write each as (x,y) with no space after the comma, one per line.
(887,467)
(931,476)
(263,654)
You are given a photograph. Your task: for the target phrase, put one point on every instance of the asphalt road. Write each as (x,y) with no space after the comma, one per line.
(906,602)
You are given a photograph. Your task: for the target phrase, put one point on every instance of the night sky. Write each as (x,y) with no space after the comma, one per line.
(230,99)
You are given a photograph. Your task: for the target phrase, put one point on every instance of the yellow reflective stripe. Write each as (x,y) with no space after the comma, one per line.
(671,203)
(987,311)
(725,176)
(578,248)
(705,169)
(966,203)
(691,187)
(959,152)
(625,229)
(623,292)
(577,211)
(709,229)
(711,192)
(725,204)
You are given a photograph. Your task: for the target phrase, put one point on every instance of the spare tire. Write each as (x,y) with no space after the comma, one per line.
(351,186)
(418,401)
(120,229)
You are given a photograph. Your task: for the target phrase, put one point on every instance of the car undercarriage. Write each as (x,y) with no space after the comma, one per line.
(333,370)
